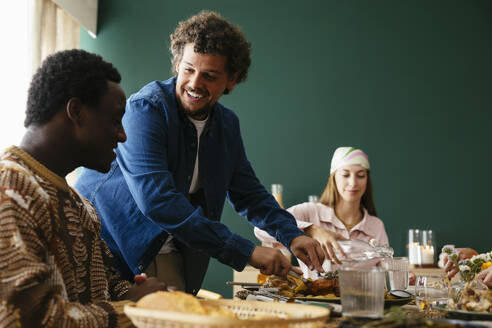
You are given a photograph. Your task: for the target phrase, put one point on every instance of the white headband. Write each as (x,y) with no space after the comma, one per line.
(344,156)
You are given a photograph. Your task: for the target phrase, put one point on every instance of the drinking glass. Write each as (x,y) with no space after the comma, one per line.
(313,198)
(431,291)
(396,273)
(362,292)
(278,193)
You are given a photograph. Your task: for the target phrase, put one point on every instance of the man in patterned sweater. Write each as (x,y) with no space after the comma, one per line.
(55,270)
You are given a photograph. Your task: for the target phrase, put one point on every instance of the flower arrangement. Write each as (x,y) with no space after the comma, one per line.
(468,268)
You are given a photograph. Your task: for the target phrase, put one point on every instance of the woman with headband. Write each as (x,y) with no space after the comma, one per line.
(345,209)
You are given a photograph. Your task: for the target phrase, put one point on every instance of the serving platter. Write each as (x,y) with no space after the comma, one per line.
(329,298)
(466,315)
(259,289)
(388,302)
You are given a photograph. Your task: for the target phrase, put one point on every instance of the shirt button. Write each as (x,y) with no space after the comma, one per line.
(189,177)
(193,145)
(140,267)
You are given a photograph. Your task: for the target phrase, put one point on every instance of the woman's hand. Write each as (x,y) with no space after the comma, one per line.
(486,277)
(412,278)
(328,240)
(463,253)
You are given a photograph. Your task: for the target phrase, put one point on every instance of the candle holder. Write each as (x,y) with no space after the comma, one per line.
(427,249)
(421,248)
(413,247)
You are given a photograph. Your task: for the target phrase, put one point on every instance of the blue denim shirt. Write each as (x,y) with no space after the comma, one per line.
(143,197)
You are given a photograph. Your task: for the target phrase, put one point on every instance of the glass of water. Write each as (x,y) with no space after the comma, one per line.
(362,292)
(313,198)
(431,291)
(396,273)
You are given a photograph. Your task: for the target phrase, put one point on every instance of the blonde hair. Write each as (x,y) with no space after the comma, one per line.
(330,195)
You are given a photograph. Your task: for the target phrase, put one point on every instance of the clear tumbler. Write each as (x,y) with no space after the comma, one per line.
(396,273)
(362,292)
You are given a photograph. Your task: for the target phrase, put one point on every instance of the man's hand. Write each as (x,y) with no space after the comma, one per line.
(140,278)
(463,253)
(308,251)
(486,277)
(271,261)
(328,240)
(144,287)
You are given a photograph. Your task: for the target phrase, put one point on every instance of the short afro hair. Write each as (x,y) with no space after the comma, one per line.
(212,34)
(64,75)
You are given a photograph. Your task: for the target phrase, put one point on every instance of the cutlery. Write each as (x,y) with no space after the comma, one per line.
(238,283)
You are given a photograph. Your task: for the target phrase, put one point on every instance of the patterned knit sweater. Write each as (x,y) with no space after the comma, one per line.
(55,270)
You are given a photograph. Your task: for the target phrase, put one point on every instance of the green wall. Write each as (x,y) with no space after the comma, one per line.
(407,81)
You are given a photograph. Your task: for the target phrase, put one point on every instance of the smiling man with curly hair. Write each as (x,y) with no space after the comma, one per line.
(162,200)
(211,34)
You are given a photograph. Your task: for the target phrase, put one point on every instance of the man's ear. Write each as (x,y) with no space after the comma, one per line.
(231,83)
(74,111)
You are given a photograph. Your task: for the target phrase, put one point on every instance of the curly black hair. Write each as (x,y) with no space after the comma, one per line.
(64,75)
(212,34)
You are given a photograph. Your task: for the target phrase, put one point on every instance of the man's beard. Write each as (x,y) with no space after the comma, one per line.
(199,114)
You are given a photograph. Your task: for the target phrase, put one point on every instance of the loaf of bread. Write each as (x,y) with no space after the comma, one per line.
(181,302)
(171,301)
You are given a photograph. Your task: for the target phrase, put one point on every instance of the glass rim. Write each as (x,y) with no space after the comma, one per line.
(366,269)
(395,258)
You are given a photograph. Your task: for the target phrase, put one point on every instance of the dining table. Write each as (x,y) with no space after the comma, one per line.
(410,310)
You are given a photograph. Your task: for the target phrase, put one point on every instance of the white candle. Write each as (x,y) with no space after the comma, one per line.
(413,253)
(427,255)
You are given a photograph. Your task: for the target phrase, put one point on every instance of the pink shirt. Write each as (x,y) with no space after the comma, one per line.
(321,215)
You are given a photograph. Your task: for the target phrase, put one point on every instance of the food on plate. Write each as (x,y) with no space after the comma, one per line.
(294,287)
(477,300)
(181,302)
(326,286)
(286,287)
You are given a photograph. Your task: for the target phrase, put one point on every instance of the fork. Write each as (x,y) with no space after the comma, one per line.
(306,282)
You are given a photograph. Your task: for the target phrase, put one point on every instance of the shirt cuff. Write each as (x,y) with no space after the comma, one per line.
(236,252)
(286,236)
(303,225)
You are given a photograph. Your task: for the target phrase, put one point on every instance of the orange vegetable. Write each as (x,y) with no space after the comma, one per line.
(486,265)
